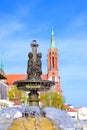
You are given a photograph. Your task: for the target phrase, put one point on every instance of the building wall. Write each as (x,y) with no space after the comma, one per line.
(82,113)
(73,115)
(3,90)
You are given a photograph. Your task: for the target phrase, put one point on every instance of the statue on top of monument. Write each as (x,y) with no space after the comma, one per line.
(34,63)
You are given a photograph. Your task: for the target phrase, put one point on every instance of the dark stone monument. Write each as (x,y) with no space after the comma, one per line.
(34,83)
(34,63)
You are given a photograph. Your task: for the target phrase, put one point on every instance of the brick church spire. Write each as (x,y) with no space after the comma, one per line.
(53,64)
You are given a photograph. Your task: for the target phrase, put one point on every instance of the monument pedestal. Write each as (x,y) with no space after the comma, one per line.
(33,98)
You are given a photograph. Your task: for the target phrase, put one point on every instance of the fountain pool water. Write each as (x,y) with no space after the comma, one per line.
(37,119)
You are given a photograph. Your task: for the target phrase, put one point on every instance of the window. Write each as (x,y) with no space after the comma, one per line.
(53,77)
(52,62)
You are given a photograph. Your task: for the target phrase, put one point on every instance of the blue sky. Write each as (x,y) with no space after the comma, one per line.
(22,21)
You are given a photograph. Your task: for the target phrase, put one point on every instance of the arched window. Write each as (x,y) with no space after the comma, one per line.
(52,62)
(53,77)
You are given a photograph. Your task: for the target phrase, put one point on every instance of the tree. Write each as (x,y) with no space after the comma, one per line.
(14,93)
(52,99)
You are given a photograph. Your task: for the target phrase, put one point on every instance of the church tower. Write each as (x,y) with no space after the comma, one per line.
(2,66)
(53,65)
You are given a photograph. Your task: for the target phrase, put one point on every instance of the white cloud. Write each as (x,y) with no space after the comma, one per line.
(10,28)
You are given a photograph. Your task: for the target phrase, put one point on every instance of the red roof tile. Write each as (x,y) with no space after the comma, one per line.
(69,109)
(11,78)
(44,76)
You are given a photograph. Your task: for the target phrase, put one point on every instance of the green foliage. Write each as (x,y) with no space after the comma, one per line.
(14,93)
(52,99)
(24,97)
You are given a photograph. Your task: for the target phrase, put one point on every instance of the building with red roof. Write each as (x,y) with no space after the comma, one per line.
(71,112)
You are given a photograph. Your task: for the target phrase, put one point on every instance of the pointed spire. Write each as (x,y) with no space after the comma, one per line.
(52,40)
(2,63)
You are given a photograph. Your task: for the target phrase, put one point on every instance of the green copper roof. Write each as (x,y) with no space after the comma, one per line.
(2,65)
(52,40)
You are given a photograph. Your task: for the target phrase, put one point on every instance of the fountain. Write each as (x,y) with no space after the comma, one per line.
(32,117)
(34,83)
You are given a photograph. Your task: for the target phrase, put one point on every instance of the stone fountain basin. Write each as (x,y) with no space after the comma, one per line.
(30,123)
(32,84)
(58,117)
